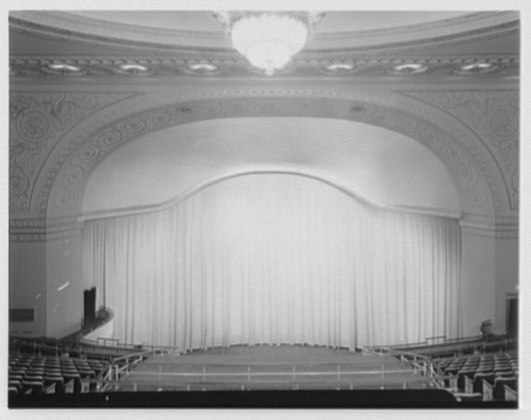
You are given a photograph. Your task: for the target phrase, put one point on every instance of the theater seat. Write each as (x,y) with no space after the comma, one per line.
(36,386)
(57,380)
(461,377)
(479,378)
(75,378)
(499,390)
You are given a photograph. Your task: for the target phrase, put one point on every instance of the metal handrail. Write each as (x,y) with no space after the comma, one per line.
(338,377)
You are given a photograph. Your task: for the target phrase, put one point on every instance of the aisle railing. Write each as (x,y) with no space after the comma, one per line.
(250,376)
(117,368)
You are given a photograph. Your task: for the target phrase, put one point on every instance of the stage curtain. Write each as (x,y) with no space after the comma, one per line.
(275,259)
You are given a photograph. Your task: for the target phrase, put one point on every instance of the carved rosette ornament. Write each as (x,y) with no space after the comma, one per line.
(36,122)
(494,116)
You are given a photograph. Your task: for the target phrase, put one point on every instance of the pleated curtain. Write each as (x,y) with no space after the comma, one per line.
(276,259)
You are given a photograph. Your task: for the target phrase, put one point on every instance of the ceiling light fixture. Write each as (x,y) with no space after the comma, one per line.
(477,67)
(203,68)
(269,39)
(133,68)
(410,68)
(340,67)
(64,67)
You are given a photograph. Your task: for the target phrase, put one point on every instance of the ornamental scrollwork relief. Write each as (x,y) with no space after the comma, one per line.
(36,121)
(77,168)
(494,116)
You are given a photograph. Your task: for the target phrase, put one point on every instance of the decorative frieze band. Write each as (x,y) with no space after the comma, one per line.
(490,233)
(341,66)
(505,226)
(38,230)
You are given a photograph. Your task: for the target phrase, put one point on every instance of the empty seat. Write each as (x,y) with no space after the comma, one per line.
(503,368)
(510,394)
(452,370)
(75,378)
(499,390)
(18,371)
(57,380)
(15,383)
(97,366)
(485,369)
(16,376)
(86,373)
(470,372)
(22,364)
(36,386)
(479,378)
(35,371)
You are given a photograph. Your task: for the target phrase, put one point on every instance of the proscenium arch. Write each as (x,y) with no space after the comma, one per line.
(63,190)
(219,179)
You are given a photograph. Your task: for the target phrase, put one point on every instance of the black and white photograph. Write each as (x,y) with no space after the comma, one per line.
(286,207)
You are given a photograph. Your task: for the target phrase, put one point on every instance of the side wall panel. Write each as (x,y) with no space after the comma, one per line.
(27,285)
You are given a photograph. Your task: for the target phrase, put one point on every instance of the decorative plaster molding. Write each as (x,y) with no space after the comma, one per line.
(42,223)
(494,117)
(38,230)
(490,232)
(42,237)
(36,122)
(201,65)
(502,227)
(69,27)
(491,220)
(73,169)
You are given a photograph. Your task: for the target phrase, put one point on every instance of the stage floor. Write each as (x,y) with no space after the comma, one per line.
(264,367)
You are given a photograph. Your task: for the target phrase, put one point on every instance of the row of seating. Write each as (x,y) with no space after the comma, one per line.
(50,374)
(486,375)
(452,348)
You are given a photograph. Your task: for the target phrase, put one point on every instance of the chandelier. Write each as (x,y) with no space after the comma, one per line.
(269,39)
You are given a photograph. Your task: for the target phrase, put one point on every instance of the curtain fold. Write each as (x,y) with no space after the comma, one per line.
(275,259)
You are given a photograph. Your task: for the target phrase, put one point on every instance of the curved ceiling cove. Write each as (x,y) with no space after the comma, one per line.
(331,22)
(380,166)
(199,29)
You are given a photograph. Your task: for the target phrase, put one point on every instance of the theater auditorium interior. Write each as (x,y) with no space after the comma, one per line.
(263,208)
